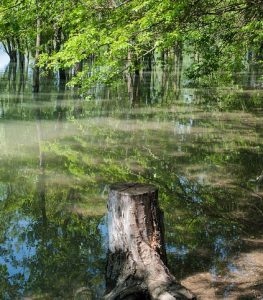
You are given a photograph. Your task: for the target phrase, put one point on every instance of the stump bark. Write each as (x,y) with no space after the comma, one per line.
(136,266)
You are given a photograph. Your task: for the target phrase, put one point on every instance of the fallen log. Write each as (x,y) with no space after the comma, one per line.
(136,265)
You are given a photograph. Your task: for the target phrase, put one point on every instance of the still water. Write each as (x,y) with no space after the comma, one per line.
(59,152)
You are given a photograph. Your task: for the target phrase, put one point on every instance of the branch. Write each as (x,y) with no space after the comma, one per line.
(123,3)
(5,48)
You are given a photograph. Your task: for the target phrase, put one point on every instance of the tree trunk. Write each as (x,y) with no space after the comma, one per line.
(136,267)
(36,71)
(62,75)
(133,82)
(10,49)
(58,40)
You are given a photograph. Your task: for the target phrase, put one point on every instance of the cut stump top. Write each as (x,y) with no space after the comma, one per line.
(133,188)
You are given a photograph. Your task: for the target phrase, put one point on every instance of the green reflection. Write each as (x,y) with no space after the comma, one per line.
(60,152)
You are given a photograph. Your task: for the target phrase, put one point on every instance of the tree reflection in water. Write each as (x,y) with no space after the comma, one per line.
(60,152)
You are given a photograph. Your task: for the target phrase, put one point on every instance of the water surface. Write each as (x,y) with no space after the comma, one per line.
(60,151)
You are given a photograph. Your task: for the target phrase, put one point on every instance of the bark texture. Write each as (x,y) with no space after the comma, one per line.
(136,267)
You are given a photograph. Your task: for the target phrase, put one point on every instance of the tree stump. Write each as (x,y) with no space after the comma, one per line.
(136,266)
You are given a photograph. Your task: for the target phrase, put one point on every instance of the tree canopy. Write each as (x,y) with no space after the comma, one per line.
(101,40)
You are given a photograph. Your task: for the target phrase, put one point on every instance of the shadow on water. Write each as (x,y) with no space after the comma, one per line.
(59,152)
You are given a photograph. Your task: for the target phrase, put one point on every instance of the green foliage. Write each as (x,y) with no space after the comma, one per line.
(227,35)
(53,192)
(115,37)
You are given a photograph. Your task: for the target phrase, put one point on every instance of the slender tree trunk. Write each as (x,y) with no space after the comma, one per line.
(58,39)
(148,62)
(133,82)
(62,74)
(136,267)
(178,68)
(36,71)
(134,62)
(11,50)
(21,55)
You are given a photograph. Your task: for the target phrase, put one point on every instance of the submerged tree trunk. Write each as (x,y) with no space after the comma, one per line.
(136,267)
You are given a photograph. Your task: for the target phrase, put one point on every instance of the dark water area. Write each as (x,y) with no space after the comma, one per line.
(203,148)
